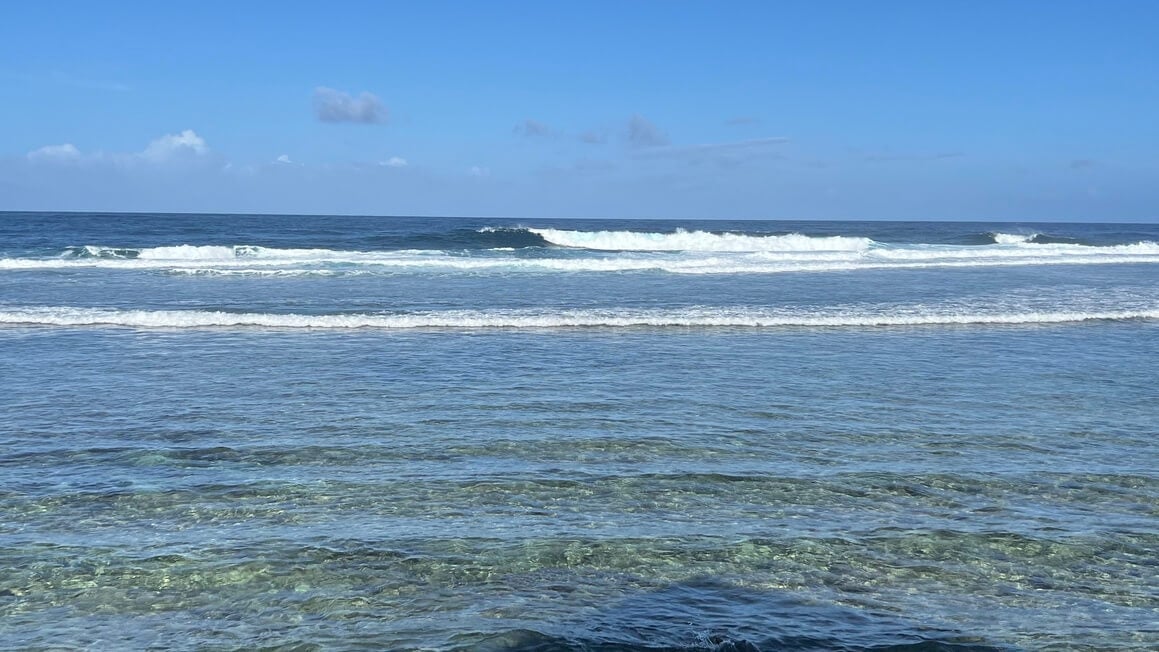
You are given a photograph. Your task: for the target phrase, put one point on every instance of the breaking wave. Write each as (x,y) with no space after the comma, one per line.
(1012,238)
(1029,238)
(682,240)
(193,253)
(678,252)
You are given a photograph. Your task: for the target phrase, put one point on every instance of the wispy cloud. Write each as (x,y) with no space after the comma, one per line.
(394,162)
(55,153)
(584,167)
(593,137)
(533,129)
(642,133)
(880,158)
(336,106)
(705,149)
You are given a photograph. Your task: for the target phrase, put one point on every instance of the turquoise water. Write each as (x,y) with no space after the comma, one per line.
(238,432)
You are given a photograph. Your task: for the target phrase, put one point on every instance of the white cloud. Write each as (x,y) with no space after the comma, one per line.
(394,162)
(171,146)
(476,171)
(55,153)
(335,106)
(284,158)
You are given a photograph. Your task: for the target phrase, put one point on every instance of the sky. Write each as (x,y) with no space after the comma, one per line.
(937,109)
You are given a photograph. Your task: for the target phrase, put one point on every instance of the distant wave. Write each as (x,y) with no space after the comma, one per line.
(209,256)
(195,253)
(680,252)
(1031,238)
(513,319)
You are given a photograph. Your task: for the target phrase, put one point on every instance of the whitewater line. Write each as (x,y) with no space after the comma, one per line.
(515,320)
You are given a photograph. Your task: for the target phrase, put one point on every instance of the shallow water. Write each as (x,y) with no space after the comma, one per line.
(896,477)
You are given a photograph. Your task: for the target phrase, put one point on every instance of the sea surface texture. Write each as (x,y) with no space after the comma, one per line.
(333,433)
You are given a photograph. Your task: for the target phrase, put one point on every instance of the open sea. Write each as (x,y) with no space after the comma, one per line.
(235,432)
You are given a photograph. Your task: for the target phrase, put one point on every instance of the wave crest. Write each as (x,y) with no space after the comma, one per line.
(1012,238)
(681,240)
(1033,239)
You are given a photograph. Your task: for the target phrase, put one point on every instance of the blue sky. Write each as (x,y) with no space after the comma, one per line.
(1028,110)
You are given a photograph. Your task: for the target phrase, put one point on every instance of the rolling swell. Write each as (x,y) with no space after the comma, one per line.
(459,239)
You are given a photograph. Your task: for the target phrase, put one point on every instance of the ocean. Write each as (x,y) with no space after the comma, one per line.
(236,432)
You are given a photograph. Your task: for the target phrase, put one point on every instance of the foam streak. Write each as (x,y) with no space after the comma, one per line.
(507,320)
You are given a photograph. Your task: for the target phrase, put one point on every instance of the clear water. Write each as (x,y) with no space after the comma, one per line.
(280,432)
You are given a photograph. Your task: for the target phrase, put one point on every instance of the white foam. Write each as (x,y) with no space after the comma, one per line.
(1012,238)
(224,257)
(108,252)
(190,252)
(682,240)
(212,271)
(500,319)
(1026,252)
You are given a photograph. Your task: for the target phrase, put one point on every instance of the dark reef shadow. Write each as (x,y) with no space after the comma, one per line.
(711,615)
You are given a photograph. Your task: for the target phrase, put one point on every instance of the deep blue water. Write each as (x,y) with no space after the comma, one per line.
(299,433)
